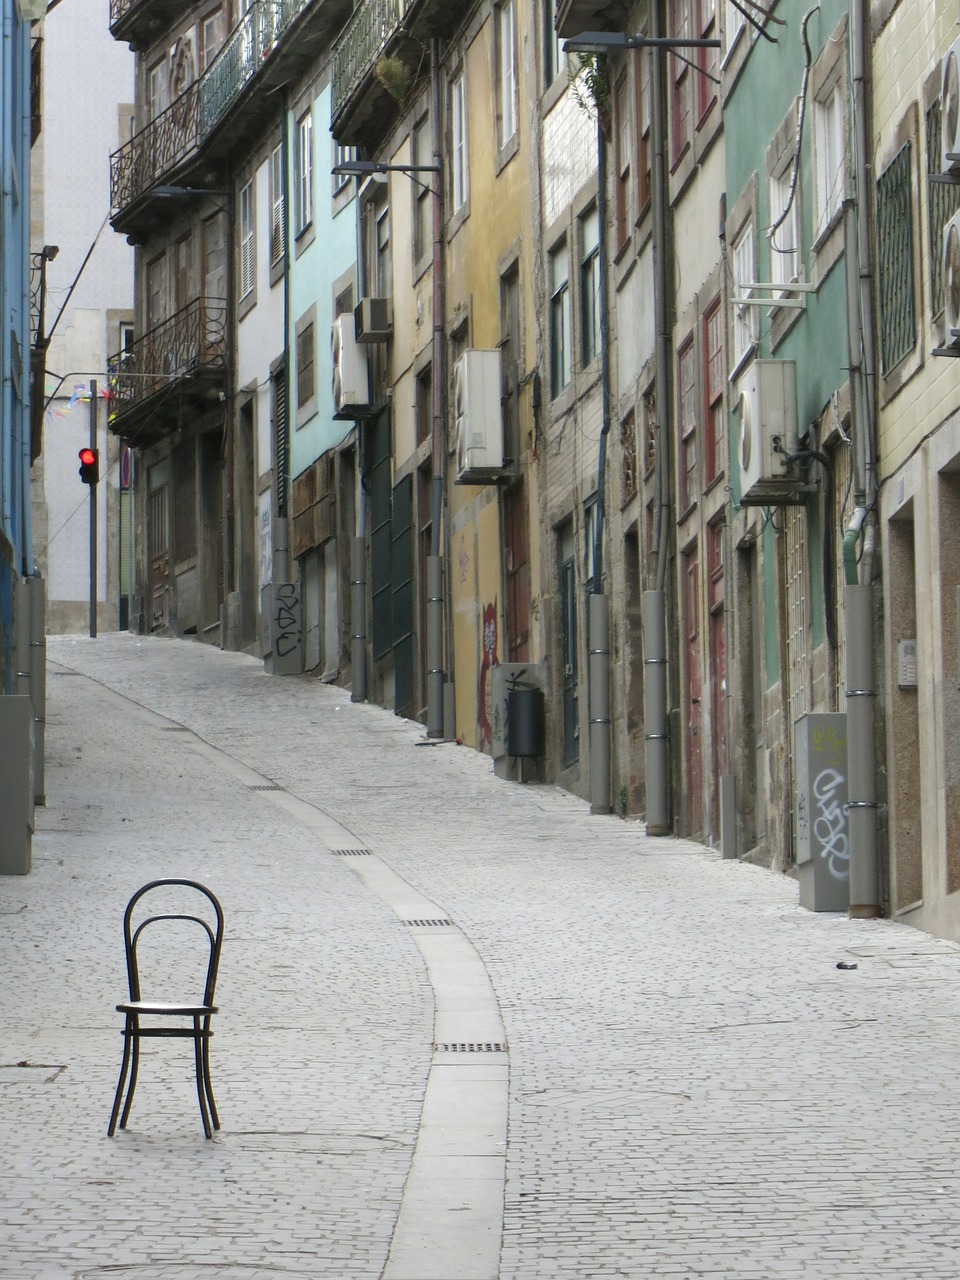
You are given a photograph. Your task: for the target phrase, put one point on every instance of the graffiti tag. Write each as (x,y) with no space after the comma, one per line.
(830,823)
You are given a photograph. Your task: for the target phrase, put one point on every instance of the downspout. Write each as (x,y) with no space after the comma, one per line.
(861,689)
(358,546)
(434,585)
(598,619)
(229,555)
(283,505)
(654,615)
(29,569)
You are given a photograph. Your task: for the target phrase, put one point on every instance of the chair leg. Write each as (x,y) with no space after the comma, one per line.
(201,1083)
(121,1082)
(206,1075)
(134,1036)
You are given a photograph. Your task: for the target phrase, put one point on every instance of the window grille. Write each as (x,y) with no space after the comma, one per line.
(281,438)
(944,200)
(898,324)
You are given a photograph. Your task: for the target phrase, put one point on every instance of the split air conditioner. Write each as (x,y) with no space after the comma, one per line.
(477,414)
(374,319)
(950,110)
(767,433)
(951,281)
(351,382)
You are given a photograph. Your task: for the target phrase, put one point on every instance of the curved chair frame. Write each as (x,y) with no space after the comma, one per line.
(199,1014)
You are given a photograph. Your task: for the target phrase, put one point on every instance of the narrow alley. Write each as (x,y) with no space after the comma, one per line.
(467,1031)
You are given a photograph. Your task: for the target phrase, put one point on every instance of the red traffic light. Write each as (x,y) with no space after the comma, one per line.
(89,466)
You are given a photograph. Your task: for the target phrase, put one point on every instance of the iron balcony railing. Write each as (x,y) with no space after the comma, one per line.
(180,130)
(119,9)
(155,150)
(192,340)
(360,44)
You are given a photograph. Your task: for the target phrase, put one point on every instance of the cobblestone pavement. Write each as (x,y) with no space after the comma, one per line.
(695,1089)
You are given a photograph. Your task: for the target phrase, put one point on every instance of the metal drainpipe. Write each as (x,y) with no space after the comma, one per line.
(653,617)
(434,583)
(858,597)
(598,669)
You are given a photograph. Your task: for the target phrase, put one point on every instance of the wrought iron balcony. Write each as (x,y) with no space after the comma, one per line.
(187,351)
(376,29)
(222,111)
(155,152)
(136,20)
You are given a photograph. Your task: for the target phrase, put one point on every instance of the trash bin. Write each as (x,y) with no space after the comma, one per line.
(525,722)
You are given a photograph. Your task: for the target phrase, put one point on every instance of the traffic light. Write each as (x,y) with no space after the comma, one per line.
(89,465)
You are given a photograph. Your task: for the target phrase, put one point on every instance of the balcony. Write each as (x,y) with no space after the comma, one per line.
(138,21)
(576,16)
(222,113)
(362,107)
(185,355)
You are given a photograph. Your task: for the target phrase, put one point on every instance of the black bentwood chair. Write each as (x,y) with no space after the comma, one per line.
(171,954)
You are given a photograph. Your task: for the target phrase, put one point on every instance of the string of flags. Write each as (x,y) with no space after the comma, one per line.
(81,395)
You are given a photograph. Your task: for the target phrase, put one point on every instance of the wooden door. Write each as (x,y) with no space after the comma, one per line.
(693,748)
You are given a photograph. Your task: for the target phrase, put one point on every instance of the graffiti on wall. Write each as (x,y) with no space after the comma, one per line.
(489,659)
(285,631)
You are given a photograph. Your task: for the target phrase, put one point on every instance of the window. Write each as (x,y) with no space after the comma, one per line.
(898,324)
(303,174)
(681,83)
(247,242)
(625,211)
(687,411)
(715,444)
(211,38)
(506,73)
(559,279)
(784,228)
(591,518)
(422,192)
(158,79)
(733,23)
(306,365)
(745,323)
(458,143)
(126,339)
(423,405)
(708,63)
(943,204)
(642,66)
(628,459)
(590,285)
(342,155)
(828,135)
(383,282)
(156,289)
(278,230)
(551,43)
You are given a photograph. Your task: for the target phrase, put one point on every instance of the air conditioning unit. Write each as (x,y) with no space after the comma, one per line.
(951,281)
(950,110)
(374,319)
(767,433)
(351,381)
(477,415)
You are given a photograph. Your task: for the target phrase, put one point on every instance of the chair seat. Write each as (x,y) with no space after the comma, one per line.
(162,1009)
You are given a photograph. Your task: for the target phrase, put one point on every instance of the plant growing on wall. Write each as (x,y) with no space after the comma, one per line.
(590,84)
(395,76)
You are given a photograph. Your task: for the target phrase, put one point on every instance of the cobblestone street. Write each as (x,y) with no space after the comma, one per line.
(466,1032)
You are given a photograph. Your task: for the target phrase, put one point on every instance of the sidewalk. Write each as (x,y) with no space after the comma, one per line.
(467,1030)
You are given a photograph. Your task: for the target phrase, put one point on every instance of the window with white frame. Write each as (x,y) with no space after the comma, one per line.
(422,191)
(278,231)
(784,235)
(559,279)
(342,155)
(506,73)
(303,174)
(733,24)
(745,319)
(829,168)
(248,250)
(458,143)
(589,285)
(158,80)
(211,37)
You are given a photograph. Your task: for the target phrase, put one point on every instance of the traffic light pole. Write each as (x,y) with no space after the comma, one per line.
(93,516)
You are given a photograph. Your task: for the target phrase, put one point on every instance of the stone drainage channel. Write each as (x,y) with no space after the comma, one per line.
(452,1203)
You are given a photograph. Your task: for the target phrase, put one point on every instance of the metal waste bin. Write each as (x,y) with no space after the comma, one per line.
(525,722)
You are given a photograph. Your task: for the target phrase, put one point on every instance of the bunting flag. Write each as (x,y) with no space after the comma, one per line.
(81,395)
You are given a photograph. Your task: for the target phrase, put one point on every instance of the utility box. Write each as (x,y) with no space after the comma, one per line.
(822,829)
(282,614)
(16,784)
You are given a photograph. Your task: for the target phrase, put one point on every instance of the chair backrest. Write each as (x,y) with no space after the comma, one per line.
(132,934)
